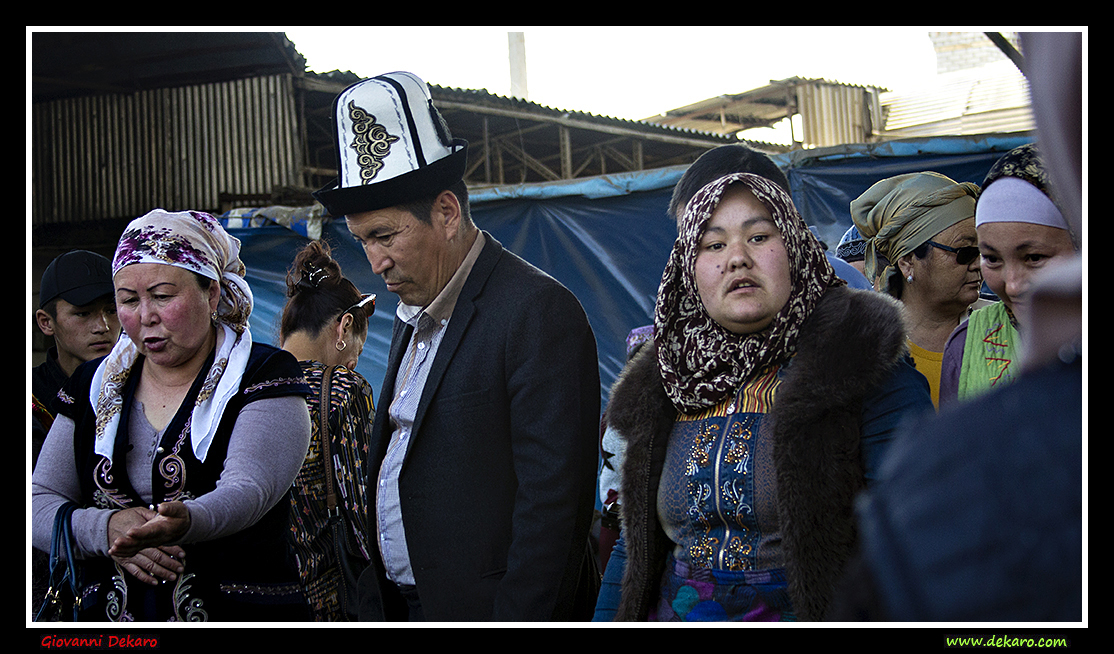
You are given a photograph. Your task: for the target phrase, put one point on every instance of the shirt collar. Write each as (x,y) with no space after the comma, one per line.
(441,309)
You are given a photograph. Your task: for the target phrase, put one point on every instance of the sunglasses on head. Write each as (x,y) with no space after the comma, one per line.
(963,255)
(366,304)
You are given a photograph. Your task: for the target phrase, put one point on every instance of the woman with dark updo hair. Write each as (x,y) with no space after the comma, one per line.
(324,325)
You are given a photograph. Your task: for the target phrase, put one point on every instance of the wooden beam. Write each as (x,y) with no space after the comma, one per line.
(487,151)
(499,170)
(530,162)
(584,125)
(566,151)
(518,131)
(321,85)
(583,165)
(481,160)
(618,156)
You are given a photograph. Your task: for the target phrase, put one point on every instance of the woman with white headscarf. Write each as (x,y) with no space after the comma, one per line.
(179,447)
(921,249)
(1021,231)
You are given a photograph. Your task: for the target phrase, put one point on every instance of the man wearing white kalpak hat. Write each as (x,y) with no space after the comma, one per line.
(483,451)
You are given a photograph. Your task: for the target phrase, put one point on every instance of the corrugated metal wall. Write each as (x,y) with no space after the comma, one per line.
(121,155)
(834,114)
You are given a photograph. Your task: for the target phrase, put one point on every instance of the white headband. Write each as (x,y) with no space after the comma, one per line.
(1014,200)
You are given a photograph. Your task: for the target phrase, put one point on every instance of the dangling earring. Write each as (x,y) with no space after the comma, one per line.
(213,316)
(340,345)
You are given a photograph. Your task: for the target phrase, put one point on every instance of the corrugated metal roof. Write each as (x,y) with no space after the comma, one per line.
(71,64)
(832,111)
(512,140)
(989,98)
(483,97)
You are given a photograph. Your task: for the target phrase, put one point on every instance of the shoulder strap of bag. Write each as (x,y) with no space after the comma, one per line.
(323,403)
(61,573)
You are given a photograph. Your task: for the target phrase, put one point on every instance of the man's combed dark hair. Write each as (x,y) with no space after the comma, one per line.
(422,207)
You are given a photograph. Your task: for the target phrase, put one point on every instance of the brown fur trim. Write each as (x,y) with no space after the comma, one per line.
(847,347)
(640,410)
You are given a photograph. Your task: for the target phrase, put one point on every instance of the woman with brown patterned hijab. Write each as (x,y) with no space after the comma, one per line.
(760,409)
(727,293)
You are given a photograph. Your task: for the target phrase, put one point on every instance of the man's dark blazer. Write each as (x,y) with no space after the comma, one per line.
(497,490)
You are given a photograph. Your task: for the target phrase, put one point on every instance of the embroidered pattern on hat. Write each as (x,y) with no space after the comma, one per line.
(372,143)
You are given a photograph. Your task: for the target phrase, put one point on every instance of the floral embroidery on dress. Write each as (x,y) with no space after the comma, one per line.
(716,474)
(701,449)
(737,553)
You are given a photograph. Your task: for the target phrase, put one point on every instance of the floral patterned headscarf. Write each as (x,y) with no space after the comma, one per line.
(196,242)
(701,362)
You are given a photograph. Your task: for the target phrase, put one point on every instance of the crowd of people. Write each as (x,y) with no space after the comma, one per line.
(778,447)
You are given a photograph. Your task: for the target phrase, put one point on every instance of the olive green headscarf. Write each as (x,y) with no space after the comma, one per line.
(899,214)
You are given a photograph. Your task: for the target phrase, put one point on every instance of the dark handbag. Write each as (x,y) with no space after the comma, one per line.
(349,561)
(64,591)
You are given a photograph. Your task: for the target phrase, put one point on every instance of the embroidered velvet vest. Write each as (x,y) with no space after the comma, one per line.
(243,576)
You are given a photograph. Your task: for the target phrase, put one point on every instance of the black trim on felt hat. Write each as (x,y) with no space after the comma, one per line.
(421,182)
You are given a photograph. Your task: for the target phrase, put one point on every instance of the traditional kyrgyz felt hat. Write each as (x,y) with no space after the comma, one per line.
(393,146)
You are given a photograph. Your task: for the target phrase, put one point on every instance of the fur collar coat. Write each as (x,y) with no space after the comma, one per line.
(847,348)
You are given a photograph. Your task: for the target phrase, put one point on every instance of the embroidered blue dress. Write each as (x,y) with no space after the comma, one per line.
(717,503)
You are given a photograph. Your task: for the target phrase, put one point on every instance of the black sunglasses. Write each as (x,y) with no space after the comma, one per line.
(362,305)
(963,255)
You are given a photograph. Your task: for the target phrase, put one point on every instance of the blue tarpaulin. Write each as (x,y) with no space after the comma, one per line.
(609,251)
(605,238)
(824,182)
